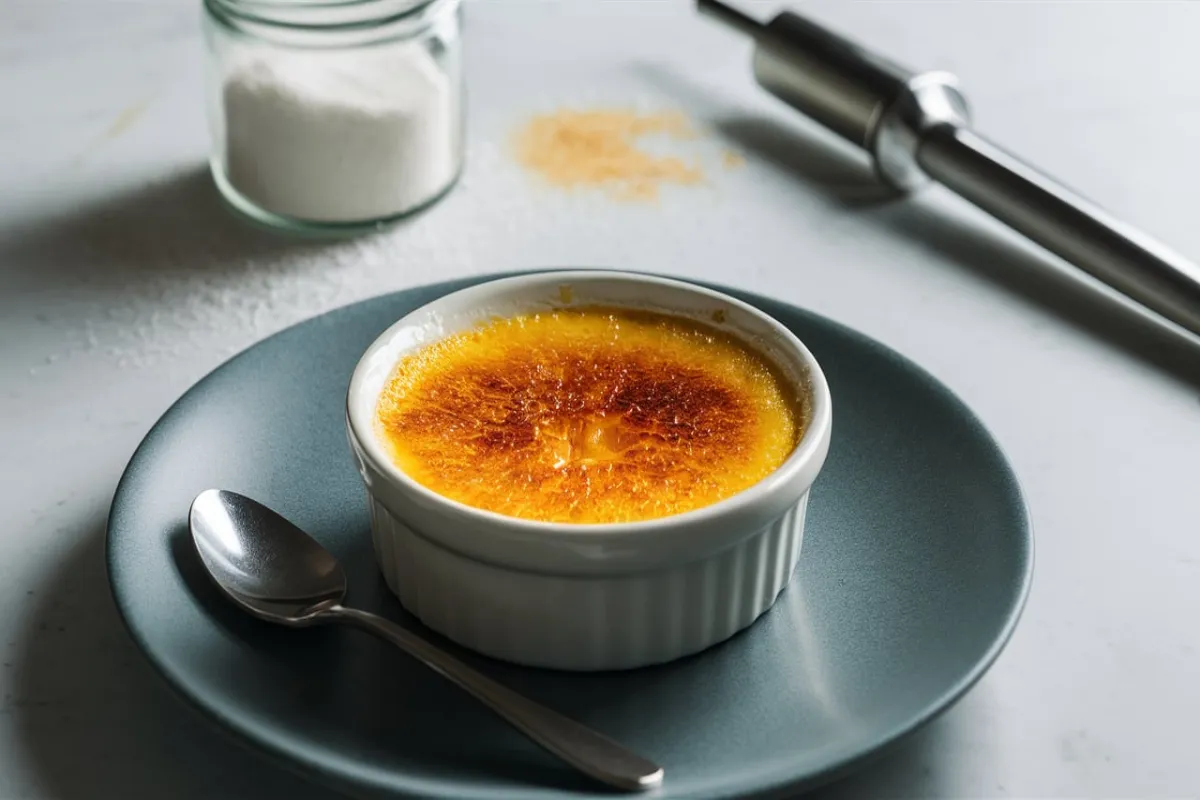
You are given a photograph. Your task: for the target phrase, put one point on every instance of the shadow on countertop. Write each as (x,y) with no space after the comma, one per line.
(816,158)
(174,228)
(818,161)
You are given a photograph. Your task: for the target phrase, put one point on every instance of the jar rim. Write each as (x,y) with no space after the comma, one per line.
(306,15)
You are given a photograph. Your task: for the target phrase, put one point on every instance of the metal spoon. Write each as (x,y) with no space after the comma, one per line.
(277,572)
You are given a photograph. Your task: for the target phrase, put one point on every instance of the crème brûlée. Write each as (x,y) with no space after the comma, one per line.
(589,415)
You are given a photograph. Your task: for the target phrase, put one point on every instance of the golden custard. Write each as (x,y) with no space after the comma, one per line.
(589,415)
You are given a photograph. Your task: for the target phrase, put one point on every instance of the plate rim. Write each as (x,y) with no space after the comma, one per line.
(773,782)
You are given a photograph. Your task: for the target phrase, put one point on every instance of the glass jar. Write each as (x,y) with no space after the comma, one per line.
(334,113)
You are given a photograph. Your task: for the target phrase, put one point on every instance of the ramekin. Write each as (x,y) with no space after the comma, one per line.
(587,597)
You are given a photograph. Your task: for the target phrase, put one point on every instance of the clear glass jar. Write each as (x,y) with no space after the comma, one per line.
(334,114)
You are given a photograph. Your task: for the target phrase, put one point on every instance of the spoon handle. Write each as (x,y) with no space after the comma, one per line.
(581,747)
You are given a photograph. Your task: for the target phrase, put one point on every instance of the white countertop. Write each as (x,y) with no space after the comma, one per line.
(122,281)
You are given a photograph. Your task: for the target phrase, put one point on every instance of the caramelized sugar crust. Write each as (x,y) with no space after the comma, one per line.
(588,415)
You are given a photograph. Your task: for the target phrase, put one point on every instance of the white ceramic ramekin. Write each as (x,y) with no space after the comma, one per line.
(586,597)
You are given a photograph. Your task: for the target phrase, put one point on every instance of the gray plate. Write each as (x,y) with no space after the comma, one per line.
(915,566)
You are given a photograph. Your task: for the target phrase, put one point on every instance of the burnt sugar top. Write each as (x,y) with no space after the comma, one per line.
(589,415)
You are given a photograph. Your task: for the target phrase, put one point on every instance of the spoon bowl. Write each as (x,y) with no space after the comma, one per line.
(277,572)
(262,561)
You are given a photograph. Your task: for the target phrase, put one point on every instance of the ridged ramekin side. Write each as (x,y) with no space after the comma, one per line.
(588,622)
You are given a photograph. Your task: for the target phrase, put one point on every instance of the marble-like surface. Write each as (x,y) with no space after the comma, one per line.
(122,281)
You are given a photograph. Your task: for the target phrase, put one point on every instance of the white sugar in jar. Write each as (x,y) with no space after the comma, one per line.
(339,114)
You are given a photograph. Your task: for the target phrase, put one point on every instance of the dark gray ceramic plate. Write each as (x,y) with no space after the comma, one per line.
(915,567)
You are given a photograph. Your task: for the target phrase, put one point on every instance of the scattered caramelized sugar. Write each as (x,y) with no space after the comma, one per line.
(588,415)
(601,148)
